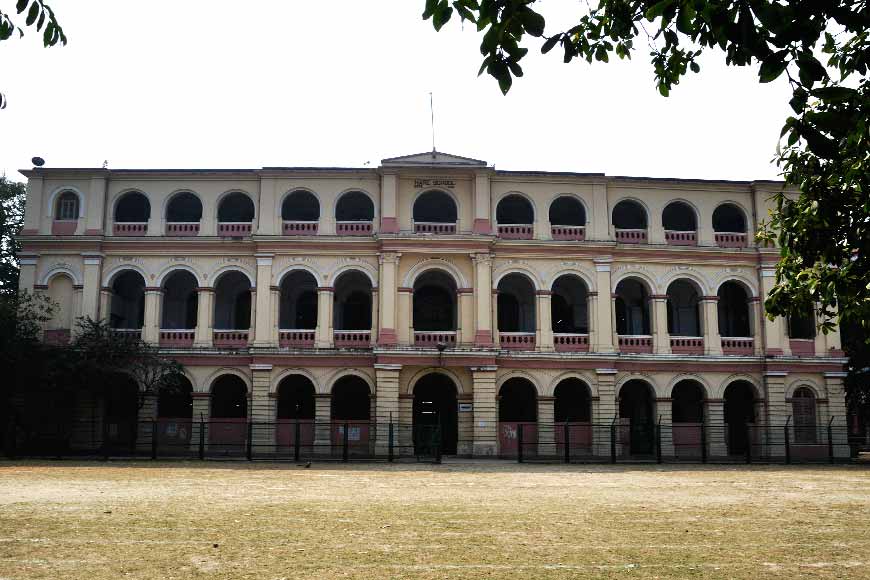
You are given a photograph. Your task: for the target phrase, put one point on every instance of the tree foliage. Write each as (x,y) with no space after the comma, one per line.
(32,13)
(12,196)
(822,49)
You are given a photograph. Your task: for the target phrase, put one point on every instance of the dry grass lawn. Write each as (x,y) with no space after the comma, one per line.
(463,520)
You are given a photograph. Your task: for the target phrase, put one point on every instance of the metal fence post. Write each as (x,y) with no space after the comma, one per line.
(249,448)
(344,454)
(201,439)
(703,442)
(748,443)
(297,432)
(390,443)
(519,442)
(567,440)
(613,440)
(830,440)
(787,442)
(658,433)
(153,439)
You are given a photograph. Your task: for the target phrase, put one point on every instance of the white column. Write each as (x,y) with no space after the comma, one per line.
(485,412)
(263,320)
(324,333)
(405,317)
(606,409)
(375,315)
(387,286)
(275,319)
(717,430)
(204,317)
(546,426)
(33,207)
(712,340)
(483,299)
(262,408)
(386,406)
(465,328)
(775,335)
(544,338)
(91,290)
(599,221)
(661,338)
(322,424)
(756,311)
(27,272)
(151,327)
(389,210)
(482,200)
(604,312)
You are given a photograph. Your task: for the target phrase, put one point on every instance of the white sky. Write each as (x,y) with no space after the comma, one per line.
(216,84)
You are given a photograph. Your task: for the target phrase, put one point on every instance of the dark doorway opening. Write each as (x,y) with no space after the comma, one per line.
(636,403)
(435,415)
(739,416)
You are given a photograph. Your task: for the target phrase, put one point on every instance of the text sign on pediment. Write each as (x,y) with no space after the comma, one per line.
(420,183)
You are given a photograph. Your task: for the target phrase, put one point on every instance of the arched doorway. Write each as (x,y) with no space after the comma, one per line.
(127,309)
(517,410)
(687,418)
(295,412)
(229,414)
(435,415)
(572,413)
(739,416)
(637,417)
(175,415)
(121,413)
(351,413)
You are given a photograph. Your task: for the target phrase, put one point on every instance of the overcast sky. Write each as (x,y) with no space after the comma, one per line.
(219,84)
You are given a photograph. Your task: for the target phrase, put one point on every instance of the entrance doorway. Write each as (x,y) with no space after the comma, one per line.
(739,415)
(637,406)
(435,410)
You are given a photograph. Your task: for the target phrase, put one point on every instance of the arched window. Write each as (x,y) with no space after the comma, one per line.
(637,416)
(517,401)
(683,312)
(630,222)
(680,223)
(733,311)
(235,215)
(434,303)
(573,403)
(354,206)
(229,398)
(128,301)
(232,305)
(515,217)
(300,213)
(435,213)
(569,306)
(298,307)
(567,218)
(729,226)
(67,207)
(352,306)
(687,402)
(516,305)
(60,291)
(296,398)
(802,326)
(632,308)
(133,207)
(350,400)
(803,405)
(183,214)
(180,301)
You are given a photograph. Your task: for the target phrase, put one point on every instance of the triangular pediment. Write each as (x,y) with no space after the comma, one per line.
(432,158)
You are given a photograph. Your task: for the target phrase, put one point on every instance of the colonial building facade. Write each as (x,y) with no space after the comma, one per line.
(435,289)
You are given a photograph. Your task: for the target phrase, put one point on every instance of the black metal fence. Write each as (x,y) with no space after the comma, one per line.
(617,441)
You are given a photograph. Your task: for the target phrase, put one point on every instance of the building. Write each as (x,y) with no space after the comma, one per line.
(435,289)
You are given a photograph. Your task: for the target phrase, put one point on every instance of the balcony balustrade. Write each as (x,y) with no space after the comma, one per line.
(434,228)
(630,236)
(516,231)
(176,338)
(352,338)
(297,338)
(353,228)
(130,229)
(570,233)
(231,338)
(738,346)
(566,342)
(234,229)
(677,238)
(64,227)
(127,333)
(432,338)
(298,228)
(730,239)
(182,229)
(802,347)
(635,343)
(517,340)
(687,345)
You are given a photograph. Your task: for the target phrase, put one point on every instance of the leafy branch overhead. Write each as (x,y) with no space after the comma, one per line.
(820,47)
(35,13)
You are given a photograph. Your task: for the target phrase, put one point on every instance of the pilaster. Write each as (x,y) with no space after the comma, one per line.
(661,337)
(776,338)
(91,287)
(603,313)
(712,339)
(27,272)
(600,230)
(263,319)
(324,335)
(323,424)
(95,203)
(387,285)
(483,299)
(386,405)
(482,201)
(546,433)
(151,327)
(604,408)
(262,408)
(33,206)
(485,442)
(544,331)
(204,317)
(389,209)
(717,430)
(465,333)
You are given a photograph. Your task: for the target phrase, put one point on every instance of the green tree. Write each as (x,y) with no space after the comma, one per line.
(822,48)
(12,196)
(32,13)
